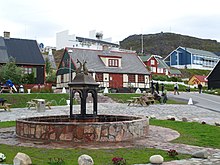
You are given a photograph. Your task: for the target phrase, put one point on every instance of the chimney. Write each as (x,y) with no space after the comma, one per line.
(6,35)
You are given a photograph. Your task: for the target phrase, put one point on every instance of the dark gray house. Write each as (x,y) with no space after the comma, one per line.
(111,69)
(214,77)
(26,54)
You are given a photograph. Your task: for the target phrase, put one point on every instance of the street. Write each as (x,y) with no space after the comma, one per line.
(207,101)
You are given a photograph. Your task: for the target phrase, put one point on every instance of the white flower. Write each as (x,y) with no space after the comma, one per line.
(2,157)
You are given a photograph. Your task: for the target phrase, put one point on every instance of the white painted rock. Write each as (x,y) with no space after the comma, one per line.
(2,157)
(217,123)
(85,160)
(156,159)
(200,154)
(169,117)
(22,159)
(152,117)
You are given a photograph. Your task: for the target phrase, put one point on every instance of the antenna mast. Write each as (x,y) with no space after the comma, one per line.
(142,44)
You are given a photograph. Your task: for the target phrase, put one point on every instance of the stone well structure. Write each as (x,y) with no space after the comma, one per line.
(83,127)
(61,128)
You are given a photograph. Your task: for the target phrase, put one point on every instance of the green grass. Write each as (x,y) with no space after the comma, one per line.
(7,124)
(100,156)
(20,100)
(122,98)
(192,133)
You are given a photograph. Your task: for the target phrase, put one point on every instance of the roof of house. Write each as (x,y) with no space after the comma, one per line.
(215,70)
(175,71)
(200,78)
(162,63)
(130,62)
(145,58)
(200,52)
(25,52)
(82,39)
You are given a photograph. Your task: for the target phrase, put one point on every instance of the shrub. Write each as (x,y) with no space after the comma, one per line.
(118,161)
(172,153)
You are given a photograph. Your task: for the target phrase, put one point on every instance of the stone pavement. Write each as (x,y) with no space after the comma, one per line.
(192,113)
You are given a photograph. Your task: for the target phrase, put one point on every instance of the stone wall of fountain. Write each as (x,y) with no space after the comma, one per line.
(63,129)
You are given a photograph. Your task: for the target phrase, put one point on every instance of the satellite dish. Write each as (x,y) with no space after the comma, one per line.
(99,35)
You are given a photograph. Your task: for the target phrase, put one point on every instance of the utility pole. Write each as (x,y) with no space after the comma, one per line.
(142,44)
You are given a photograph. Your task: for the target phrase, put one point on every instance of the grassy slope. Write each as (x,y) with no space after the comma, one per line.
(193,133)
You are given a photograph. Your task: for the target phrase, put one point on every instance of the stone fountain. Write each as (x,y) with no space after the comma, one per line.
(82,127)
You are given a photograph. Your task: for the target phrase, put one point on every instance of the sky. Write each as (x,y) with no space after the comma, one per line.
(42,19)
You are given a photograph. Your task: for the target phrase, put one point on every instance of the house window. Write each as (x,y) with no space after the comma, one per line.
(152,62)
(99,77)
(153,69)
(27,70)
(113,62)
(141,78)
(159,70)
(131,78)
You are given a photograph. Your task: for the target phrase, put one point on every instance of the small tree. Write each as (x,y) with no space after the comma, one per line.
(51,74)
(48,66)
(10,71)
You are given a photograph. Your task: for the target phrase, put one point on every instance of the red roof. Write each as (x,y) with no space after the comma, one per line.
(201,78)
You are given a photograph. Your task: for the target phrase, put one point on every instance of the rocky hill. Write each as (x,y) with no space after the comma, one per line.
(164,43)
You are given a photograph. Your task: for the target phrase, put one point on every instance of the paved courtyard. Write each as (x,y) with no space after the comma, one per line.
(156,136)
(191,112)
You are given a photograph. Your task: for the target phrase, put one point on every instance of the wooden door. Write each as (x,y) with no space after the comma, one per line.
(116,80)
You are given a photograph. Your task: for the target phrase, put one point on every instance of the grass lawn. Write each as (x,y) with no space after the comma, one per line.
(100,156)
(19,100)
(122,98)
(192,133)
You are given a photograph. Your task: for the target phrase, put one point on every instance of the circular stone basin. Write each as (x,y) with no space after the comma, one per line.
(64,129)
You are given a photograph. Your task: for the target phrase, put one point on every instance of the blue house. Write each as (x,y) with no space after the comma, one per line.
(183,57)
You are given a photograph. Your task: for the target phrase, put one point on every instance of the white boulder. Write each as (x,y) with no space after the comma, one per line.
(22,159)
(85,160)
(169,117)
(2,157)
(156,159)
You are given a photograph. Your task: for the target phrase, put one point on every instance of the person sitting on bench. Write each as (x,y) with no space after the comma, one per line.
(2,101)
(157,96)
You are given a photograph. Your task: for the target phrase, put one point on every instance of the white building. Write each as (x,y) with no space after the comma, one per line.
(94,41)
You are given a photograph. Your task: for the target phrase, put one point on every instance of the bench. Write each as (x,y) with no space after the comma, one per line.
(48,104)
(31,104)
(34,104)
(130,101)
(6,89)
(6,107)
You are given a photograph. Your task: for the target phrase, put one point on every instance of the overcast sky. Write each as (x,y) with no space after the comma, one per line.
(42,19)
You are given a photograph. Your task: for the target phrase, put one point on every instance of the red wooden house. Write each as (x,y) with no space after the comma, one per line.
(156,65)
(112,69)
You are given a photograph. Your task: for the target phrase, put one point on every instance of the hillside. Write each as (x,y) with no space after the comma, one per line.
(163,43)
(187,73)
